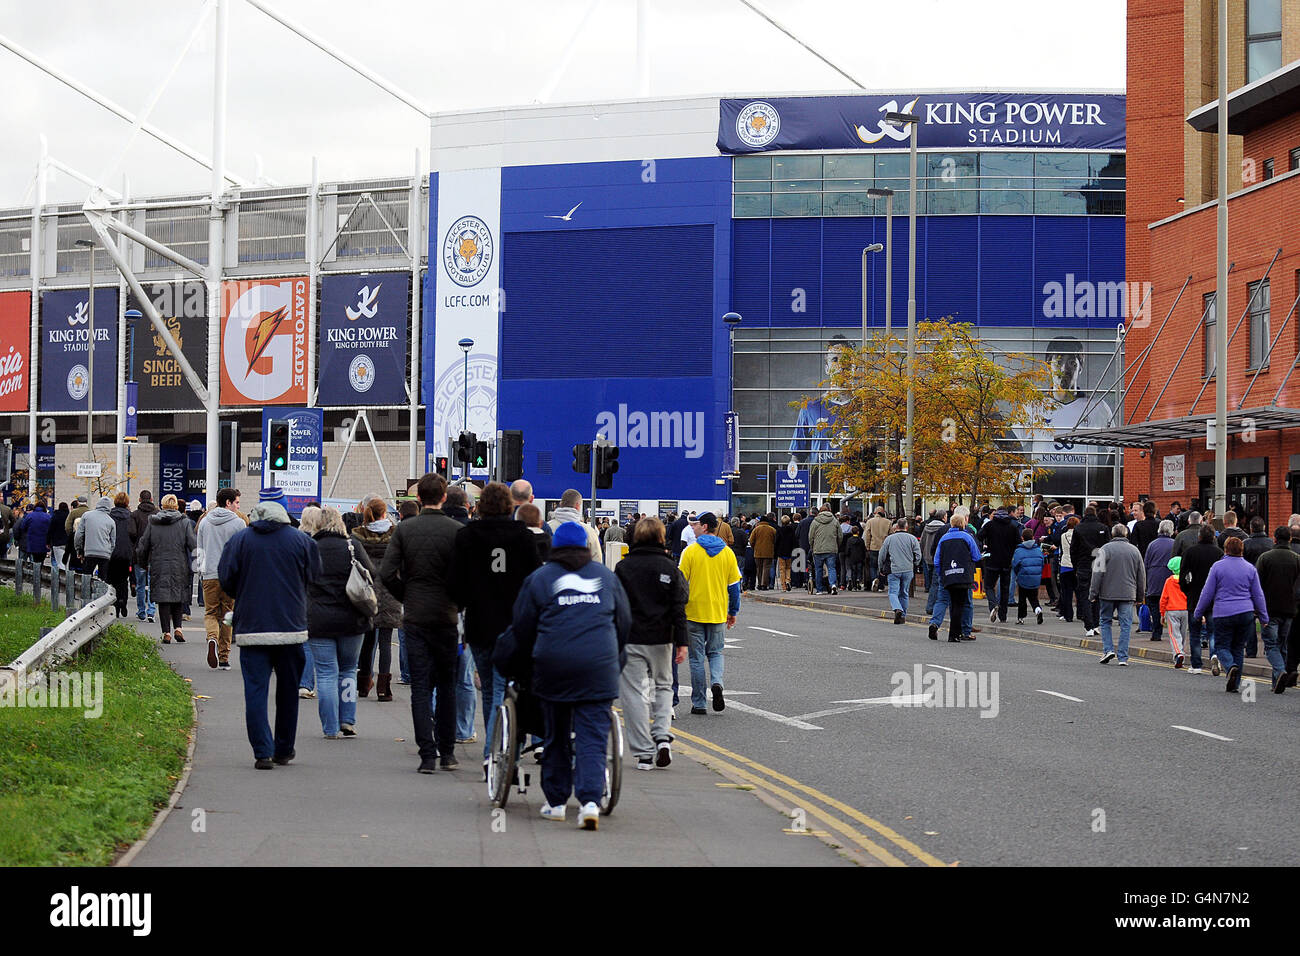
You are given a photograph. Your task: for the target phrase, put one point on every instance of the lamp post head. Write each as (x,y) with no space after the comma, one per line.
(901,119)
(133,314)
(880,192)
(85,243)
(874,247)
(731,319)
(466,344)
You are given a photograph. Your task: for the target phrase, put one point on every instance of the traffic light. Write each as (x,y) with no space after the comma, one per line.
(231,460)
(442,466)
(279,452)
(582,459)
(606,465)
(480,454)
(465,448)
(512,455)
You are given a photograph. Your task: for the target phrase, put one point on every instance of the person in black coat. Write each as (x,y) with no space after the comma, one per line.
(657,595)
(787,539)
(1195,570)
(999,536)
(493,556)
(166,548)
(801,566)
(119,562)
(335,626)
(1087,540)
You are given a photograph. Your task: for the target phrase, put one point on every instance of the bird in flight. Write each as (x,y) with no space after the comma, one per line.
(567,216)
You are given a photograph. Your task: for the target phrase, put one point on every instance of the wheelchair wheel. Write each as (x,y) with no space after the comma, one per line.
(501,758)
(613,765)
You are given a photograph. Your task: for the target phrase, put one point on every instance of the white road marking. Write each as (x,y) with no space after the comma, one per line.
(1203,733)
(909,699)
(856,650)
(953,669)
(855,705)
(770,631)
(1062,696)
(788,721)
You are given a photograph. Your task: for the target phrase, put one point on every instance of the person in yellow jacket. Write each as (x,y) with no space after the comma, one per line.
(713,578)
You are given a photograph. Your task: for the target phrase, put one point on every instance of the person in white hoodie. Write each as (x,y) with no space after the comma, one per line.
(95,537)
(216,528)
(570,510)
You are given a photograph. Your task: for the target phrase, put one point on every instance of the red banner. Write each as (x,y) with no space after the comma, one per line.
(15,343)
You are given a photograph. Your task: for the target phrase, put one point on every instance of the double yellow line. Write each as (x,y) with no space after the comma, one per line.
(835,815)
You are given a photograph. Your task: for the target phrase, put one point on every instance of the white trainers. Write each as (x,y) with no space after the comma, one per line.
(993,615)
(1107,658)
(553,813)
(1038,613)
(1195,670)
(589,817)
(1214,665)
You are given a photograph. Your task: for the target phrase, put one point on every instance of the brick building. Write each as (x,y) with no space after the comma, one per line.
(1170,243)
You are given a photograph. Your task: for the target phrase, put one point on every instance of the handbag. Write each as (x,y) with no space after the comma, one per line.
(361,586)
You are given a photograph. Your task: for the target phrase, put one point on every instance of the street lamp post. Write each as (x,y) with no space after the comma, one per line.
(884,192)
(874,247)
(731,320)
(90,362)
(899,119)
(465,346)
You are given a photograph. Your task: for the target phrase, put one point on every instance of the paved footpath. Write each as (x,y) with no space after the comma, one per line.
(360,802)
(1051,631)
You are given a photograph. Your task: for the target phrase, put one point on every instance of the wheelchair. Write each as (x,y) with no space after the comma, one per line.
(519,715)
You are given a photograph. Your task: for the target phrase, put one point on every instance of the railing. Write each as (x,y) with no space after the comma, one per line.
(94,602)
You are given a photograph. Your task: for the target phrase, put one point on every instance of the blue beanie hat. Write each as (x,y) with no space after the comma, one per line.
(271,494)
(570,535)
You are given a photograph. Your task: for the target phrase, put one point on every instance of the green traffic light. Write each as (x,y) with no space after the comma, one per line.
(278,463)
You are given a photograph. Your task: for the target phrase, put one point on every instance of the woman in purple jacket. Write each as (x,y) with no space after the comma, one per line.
(1233,595)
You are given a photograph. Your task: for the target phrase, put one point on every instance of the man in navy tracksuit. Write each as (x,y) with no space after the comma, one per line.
(574,615)
(954,566)
(266,568)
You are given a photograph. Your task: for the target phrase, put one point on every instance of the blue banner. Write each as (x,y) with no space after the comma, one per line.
(731,444)
(132,417)
(65,350)
(948,121)
(792,491)
(301,481)
(363,339)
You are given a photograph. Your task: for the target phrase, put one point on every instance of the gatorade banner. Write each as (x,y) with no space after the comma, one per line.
(15,342)
(264,342)
(65,350)
(363,339)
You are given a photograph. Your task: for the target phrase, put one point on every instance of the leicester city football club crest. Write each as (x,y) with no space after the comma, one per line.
(467,251)
(361,373)
(78,382)
(758,124)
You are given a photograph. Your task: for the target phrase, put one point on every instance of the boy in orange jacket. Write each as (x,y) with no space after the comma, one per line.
(1173,612)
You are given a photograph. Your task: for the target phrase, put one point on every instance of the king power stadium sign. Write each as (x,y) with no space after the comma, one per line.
(948,121)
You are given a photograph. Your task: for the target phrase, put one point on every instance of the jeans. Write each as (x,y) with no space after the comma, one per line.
(646,693)
(308,679)
(999,580)
(942,602)
(336,680)
(1275,635)
(1231,633)
(56,561)
(932,588)
(256,664)
(1125,611)
(493,687)
(403,666)
(706,641)
(143,606)
(824,568)
(898,581)
(432,654)
(1195,633)
(561,773)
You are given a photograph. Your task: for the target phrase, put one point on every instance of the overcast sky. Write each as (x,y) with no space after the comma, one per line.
(288,101)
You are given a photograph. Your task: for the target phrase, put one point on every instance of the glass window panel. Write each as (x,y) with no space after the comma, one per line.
(951,202)
(751,167)
(899,186)
(895,165)
(1294,161)
(796,186)
(752,206)
(1207,334)
(756,186)
(1106,164)
(1007,201)
(797,204)
(847,185)
(849,167)
(1061,202)
(1263,16)
(797,167)
(1262,58)
(847,204)
(1051,168)
(1007,164)
(952,170)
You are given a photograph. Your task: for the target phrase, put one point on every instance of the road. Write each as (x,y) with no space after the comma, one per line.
(1078,763)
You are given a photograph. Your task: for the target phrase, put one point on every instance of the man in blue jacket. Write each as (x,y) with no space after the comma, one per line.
(32,533)
(266,568)
(574,615)
(954,567)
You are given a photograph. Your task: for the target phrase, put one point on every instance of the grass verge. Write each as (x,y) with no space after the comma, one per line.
(74,790)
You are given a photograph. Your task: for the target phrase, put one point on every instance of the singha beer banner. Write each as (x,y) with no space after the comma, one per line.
(65,350)
(264,342)
(948,121)
(464,261)
(15,340)
(363,339)
(184,310)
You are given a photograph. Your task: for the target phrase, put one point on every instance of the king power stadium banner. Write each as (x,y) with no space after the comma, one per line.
(15,340)
(363,339)
(65,349)
(948,121)
(464,262)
